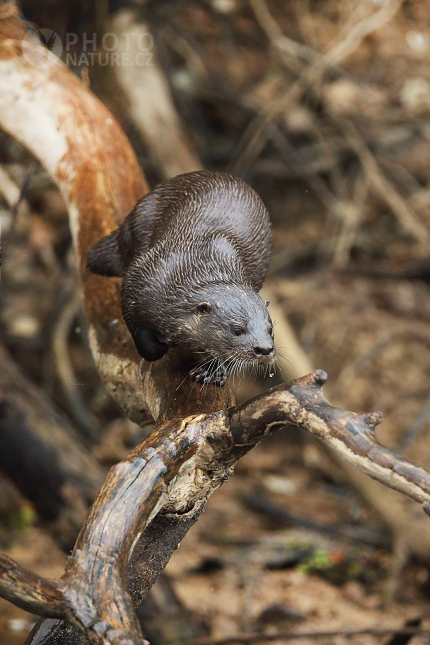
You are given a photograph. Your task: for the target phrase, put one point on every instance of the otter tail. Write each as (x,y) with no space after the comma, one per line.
(112,254)
(105,258)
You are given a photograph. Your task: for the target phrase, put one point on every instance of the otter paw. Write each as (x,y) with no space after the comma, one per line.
(217,376)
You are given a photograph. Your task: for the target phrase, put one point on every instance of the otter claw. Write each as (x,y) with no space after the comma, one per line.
(216,377)
(220,380)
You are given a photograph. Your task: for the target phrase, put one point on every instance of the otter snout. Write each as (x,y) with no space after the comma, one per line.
(263,344)
(264,351)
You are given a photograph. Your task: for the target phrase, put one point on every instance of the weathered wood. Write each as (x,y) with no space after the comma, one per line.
(158,542)
(179,466)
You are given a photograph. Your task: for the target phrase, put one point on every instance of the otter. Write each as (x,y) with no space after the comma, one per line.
(193,254)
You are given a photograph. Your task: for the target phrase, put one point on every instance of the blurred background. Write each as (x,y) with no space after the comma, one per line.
(324,108)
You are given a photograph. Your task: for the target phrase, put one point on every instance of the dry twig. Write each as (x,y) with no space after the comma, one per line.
(310,76)
(64,366)
(382,186)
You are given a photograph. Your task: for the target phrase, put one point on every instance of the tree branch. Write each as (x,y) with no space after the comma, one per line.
(30,591)
(182,464)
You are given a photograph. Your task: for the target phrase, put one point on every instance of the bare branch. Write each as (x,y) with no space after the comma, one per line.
(30,591)
(180,465)
(356,33)
(351,435)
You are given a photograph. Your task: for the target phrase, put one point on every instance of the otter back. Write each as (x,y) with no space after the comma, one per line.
(179,212)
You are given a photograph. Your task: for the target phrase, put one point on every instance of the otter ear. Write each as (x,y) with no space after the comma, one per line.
(267,303)
(204,308)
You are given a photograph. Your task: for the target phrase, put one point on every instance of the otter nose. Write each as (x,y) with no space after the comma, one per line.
(263,351)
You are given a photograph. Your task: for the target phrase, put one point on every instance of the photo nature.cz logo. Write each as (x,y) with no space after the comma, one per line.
(113,49)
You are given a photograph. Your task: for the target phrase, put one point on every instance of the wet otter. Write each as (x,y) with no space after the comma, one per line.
(193,254)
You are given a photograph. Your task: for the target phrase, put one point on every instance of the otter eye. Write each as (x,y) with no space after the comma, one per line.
(238,331)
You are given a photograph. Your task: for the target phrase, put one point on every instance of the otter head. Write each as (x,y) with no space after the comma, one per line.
(230,323)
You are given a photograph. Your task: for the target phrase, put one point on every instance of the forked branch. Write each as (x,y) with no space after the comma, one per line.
(176,468)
